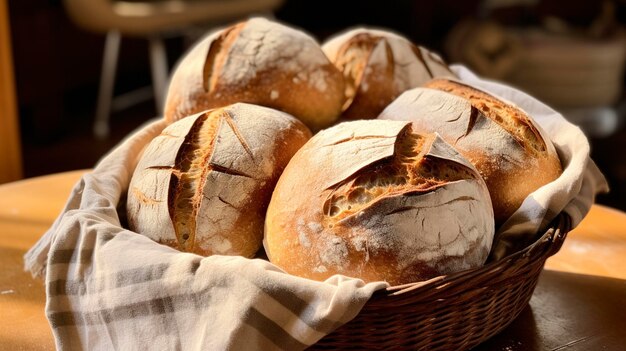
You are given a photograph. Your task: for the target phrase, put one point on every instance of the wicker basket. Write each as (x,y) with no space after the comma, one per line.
(454,312)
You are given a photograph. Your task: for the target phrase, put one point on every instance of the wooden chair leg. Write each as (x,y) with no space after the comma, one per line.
(101,127)
(158,65)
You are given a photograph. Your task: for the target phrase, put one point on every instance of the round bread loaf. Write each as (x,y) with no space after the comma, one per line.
(374,200)
(378,66)
(259,62)
(204,184)
(511,152)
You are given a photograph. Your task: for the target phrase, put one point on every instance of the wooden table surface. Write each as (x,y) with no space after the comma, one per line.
(594,254)
(27,209)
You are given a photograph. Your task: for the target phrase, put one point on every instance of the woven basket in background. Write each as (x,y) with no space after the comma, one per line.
(568,71)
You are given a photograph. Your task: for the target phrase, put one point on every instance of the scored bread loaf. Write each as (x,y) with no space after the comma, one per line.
(203,185)
(374,200)
(378,66)
(259,62)
(511,152)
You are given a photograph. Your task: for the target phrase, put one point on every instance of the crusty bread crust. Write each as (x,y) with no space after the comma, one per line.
(377,67)
(509,117)
(374,200)
(259,62)
(507,147)
(204,184)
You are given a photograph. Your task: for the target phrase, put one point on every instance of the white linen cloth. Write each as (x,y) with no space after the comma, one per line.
(110,288)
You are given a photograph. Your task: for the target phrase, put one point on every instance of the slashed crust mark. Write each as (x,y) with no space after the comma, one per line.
(410,208)
(418,54)
(431,58)
(353,57)
(164,168)
(354,138)
(191,166)
(214,60)
(510,118)
(474,113)
(409,170)
(233,126)
(228,171)
(192,169)
(143,198)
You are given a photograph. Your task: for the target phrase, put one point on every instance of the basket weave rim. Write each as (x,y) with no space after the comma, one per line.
(451,312)
(546,245)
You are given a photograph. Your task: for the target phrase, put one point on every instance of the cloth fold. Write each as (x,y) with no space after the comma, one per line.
(110,288)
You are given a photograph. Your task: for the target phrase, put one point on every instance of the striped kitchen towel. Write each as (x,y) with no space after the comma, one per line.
(109,288)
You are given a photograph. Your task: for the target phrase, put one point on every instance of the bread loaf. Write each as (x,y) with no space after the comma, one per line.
(259,62)
(511,152)
(378,66)
(203,185)
(374,200)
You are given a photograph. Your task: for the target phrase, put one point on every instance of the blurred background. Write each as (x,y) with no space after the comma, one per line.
(76,76)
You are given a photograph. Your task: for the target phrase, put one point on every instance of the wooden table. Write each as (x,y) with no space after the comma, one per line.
(27,209)
(589,271)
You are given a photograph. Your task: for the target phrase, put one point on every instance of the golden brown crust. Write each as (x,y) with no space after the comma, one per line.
(502,141)
(258,62)
(377,67)
(217,55)
(509,117)
(204,184)
(374,200)
(369,82)
(510,188)
(188,178)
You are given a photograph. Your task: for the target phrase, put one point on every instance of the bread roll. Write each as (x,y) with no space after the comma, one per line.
(378,66)
(203,185)
(374,200)
(260,62)
(511,152)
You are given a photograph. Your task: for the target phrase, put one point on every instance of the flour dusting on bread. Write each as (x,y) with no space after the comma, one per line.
(383,203)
